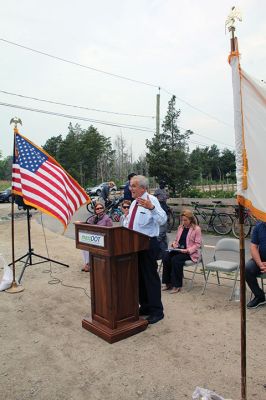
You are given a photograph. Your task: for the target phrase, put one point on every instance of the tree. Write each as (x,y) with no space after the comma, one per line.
(168,155)
(210,163)
(228,163)
(84,153)
(123,157)
(6,168)
(52,146)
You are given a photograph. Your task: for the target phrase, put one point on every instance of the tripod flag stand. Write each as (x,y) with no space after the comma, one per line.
(30,253)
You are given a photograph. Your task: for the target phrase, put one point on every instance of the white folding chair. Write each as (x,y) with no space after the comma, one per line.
(224,266)
(194,266)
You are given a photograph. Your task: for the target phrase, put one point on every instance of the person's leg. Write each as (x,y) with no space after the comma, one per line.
(143,300)
(86,258)
(178,262)
(166,278)
(149,281)
(252,272)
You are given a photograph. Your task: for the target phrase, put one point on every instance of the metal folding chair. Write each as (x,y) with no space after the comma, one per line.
(224,266)
(194,267)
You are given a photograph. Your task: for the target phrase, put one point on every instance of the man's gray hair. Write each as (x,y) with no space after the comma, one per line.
(142,180)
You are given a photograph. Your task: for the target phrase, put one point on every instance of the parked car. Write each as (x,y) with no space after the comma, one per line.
(96,190)
(6,195)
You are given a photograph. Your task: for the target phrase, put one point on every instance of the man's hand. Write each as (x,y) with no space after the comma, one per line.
(263,266)
(174,245)
(145,203)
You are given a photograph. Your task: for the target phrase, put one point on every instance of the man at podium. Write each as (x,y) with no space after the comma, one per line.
(145,216)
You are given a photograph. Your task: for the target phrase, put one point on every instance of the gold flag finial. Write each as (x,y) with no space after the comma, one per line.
(235,14)
(15,121)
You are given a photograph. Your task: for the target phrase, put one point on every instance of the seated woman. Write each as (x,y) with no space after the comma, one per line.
(185,247)
(125,210)
(101,219)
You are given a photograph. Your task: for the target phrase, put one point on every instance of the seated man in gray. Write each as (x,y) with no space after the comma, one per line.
(257,264)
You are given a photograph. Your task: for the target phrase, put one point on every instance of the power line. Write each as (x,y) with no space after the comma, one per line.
(104,111)
(78,64)
(125,126)
(197,109)
(206,137)
(74,106)
(137,128)
(115,76)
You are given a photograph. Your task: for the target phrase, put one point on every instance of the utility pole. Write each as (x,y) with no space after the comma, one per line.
(158,113)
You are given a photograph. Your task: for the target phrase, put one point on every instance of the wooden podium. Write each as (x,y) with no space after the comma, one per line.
(114,280)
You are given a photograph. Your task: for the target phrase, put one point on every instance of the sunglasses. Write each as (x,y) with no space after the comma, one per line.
(99,208)
(126,206)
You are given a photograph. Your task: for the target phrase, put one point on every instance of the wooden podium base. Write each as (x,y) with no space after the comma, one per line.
(114,335)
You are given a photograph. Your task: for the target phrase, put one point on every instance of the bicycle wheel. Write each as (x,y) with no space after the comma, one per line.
(236,227)
(90,207)
(170,220)
(222,223)
(197,218)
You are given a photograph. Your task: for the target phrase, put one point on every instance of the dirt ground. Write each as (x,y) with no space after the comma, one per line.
(47,355)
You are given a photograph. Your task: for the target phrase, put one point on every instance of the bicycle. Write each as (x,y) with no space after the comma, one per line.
(249,222)
(170,218)
(220,222)
(112,208)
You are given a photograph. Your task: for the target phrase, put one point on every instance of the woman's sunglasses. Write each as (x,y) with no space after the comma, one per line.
(99,208)
(126,206)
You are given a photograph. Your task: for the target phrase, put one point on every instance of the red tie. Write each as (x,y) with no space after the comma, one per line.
(131,222)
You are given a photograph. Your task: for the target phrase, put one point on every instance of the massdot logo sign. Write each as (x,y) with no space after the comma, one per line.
(91,238)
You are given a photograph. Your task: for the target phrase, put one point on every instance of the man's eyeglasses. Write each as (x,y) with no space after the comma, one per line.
(99,208)
(126,206)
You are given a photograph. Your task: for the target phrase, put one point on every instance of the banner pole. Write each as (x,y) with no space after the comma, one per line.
(234,48)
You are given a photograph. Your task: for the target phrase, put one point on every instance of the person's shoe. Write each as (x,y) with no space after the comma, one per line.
(86,268)
(167,287)
(175,290)
(256,302)
(152,319)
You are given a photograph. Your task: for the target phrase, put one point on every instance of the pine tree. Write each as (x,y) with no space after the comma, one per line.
(167,155)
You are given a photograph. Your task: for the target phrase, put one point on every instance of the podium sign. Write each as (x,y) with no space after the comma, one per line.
(91,238)
(114,280)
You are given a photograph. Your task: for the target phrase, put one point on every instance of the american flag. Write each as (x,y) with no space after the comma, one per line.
(43,183)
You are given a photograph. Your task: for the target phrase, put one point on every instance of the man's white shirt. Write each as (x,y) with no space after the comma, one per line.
(147,221)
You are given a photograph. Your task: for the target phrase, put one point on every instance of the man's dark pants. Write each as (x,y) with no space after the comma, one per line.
(149,280)
(252,273)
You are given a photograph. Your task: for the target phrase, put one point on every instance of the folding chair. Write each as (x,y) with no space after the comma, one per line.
(195,265)
(263,276)
(218,265)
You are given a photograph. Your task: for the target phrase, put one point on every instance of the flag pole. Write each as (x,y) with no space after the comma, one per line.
(15,288)
(234,48)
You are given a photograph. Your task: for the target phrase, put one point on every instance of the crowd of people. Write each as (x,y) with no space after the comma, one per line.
(146,214)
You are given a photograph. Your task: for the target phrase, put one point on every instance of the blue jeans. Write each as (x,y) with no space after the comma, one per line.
(252,273)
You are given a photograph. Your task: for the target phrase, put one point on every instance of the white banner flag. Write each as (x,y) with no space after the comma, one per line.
(250,139)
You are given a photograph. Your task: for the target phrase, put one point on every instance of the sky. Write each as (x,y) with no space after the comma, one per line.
(179,46)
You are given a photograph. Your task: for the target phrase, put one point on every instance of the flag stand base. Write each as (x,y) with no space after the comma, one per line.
(28,256)
(15,288)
